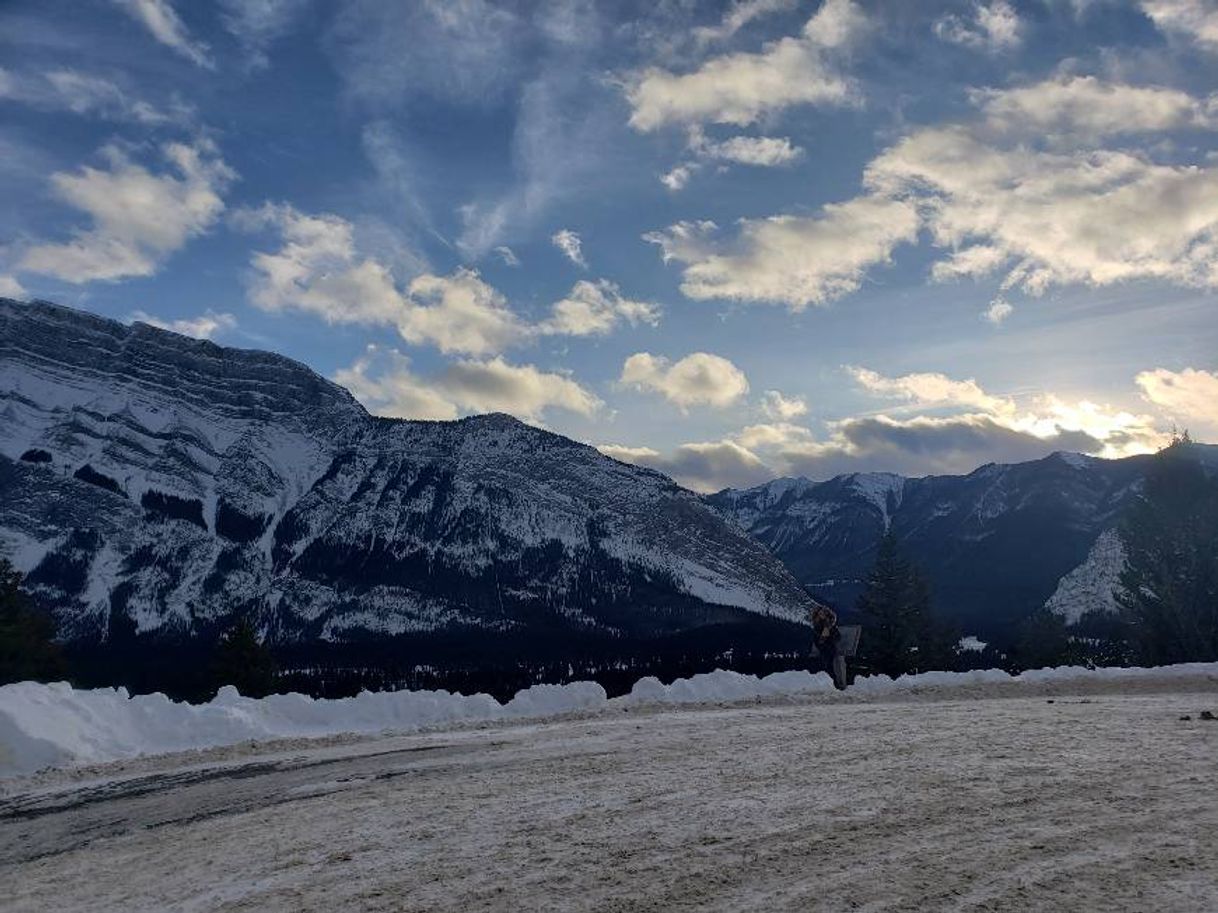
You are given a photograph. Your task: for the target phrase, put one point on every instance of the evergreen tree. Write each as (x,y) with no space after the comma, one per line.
(1169,588)
(1042,641)
(936,638)
(1101,638)
(27,647)
(901,632)
(243,661)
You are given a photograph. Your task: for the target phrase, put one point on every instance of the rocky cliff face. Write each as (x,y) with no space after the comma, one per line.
(155,485)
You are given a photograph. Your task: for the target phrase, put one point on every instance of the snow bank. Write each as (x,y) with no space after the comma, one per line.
(882,684)
(58,726)
(719,686)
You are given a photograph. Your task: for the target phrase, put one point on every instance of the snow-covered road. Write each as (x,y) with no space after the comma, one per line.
(991,799)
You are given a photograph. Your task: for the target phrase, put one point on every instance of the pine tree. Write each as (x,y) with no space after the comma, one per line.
(936,638)
(1169,588)
(901,631)
(1042,641)
(27,647)
(243,661)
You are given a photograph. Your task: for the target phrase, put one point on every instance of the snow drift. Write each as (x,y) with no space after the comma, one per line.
(56,725)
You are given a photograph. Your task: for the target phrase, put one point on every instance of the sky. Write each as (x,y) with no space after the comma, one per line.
(732,241)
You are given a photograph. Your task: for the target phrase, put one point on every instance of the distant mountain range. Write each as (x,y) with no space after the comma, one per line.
(154,486)
(996,544)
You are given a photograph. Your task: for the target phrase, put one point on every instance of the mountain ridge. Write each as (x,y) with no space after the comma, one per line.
(996,543)
(157,486)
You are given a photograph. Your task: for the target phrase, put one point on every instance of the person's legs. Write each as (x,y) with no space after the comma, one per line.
(839,671)
(828,656)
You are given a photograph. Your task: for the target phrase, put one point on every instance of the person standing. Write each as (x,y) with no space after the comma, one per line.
(825,637)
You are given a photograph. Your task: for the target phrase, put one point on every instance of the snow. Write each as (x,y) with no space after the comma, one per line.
(972,643)
(55,725)
(1074,460)
(878,488)
(721,686)
(1091,586)
(991,798)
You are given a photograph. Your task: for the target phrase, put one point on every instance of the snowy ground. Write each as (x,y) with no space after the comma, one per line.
(1056,796)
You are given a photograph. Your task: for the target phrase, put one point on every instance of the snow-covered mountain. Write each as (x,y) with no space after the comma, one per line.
(154,484)
(996,543)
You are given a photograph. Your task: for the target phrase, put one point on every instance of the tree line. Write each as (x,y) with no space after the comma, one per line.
(29,651)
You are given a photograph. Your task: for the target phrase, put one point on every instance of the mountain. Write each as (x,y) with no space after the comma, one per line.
(996,543)
(154,486)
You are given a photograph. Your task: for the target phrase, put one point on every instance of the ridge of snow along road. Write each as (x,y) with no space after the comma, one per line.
(56,725)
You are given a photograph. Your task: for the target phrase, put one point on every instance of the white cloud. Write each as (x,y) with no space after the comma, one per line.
(697,379)
(756,151)
(569,243)
(998,311)
(974,260)
(1084,106)
(138,218)
(771,435)
(384,382)
(925,444)
(991,27)
(205,326)
(783,408)
(977,428)
(162,20)
(791,260)
(318,269)
(11,288)
(1189,396)
(760,151)
(596,308)
(981,428)
(930,389)
(704,466)
(1022,190)
(740,88)
(1119,432)
(1196,20)
(1066,215)
(637,455)
(741,13)
(1098,429)
(258,23)
(507,255)
(459,313)
(523,390)
(86,95)
(678,176)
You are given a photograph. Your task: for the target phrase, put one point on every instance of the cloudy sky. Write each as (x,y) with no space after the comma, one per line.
(730,240)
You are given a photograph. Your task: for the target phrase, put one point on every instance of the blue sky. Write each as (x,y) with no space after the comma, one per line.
(730,240)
